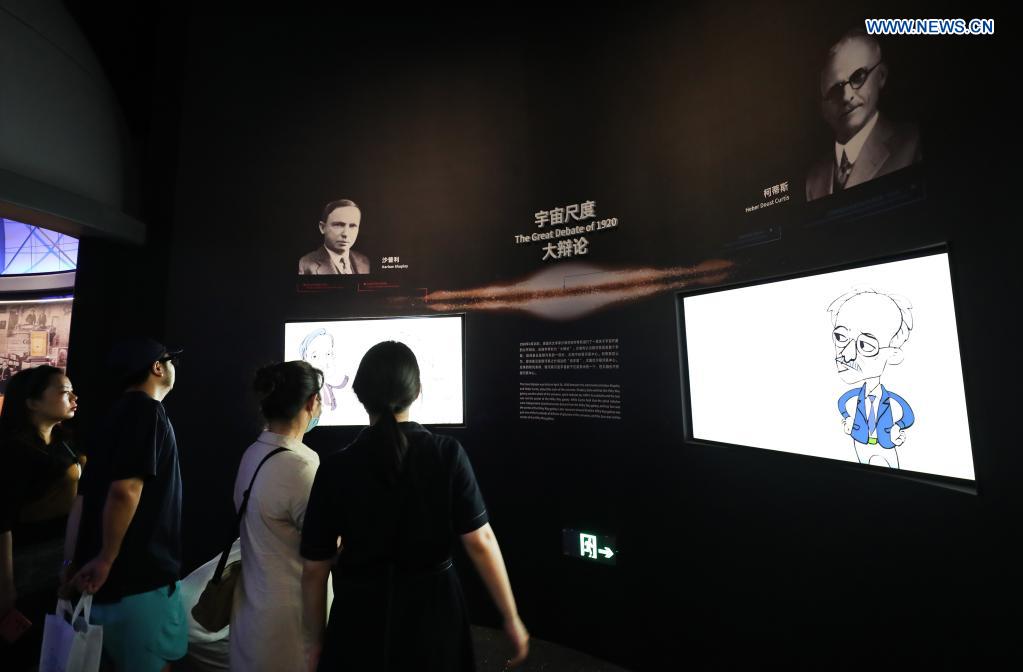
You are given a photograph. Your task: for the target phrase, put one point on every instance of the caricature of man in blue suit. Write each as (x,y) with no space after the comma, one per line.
(869,329)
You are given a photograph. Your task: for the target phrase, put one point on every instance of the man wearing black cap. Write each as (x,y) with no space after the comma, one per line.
(129,541)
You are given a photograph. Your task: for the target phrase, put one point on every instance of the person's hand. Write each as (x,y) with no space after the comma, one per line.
(847,424)
(93,575)
(312,656)
(517,635)
(898,435)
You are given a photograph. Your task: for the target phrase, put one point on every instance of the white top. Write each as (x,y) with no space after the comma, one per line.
(266,623)
(855,145)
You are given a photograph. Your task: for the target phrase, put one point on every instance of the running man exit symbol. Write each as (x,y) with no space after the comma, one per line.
(591,546)
(588,545)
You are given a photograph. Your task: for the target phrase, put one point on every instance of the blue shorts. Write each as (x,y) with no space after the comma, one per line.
(145,631)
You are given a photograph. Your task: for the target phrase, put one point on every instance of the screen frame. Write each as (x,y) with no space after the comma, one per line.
(465,376)
(971,487)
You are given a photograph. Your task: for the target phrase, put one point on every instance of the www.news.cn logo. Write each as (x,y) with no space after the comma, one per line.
(930,26)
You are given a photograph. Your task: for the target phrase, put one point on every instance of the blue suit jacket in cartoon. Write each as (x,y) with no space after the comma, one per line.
(884,415)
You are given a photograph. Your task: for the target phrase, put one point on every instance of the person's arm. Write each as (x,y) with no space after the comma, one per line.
(314,605)
(10,494)
(319,549)
(7,593)
(122,501)
(13,484)
(907,419)
(74,519)
(482,548)
(843,402)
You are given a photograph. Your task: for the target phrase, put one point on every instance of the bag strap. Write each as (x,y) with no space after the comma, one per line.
(241,513)
(83,607)
(64,608)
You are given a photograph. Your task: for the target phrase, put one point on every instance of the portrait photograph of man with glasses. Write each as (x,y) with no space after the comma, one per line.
(867,144)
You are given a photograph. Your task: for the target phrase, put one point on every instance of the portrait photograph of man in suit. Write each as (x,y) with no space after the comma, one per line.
(339,226)
(867,144)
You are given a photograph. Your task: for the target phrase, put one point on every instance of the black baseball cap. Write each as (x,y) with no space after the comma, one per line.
(135,355)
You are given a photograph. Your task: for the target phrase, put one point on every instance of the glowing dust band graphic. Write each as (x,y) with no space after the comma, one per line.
(570,290)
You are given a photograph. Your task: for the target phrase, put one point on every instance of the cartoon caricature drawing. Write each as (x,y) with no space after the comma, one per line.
(317,348)
(869,330)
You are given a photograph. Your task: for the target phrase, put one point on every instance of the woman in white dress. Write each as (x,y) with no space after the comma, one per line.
(266,622)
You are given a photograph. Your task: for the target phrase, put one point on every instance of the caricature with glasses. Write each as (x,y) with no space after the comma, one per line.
(869,329)
(317,348)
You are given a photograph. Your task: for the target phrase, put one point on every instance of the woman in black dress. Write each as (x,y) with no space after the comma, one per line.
(39,473)
(392,502)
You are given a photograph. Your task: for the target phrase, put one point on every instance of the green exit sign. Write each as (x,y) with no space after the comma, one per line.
(589,546)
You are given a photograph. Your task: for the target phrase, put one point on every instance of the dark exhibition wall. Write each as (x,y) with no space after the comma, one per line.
(559,177)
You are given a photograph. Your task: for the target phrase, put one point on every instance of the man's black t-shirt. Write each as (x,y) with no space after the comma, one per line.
(136,440)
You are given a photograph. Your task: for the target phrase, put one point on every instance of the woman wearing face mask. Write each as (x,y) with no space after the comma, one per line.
(266,622)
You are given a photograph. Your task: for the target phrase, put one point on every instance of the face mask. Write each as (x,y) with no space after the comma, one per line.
(312,424)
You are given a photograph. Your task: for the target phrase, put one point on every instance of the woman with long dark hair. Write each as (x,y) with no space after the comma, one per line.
(39,473)
(266,622)
(393,501)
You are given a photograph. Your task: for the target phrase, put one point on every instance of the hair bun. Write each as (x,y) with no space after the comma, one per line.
(285,387)
(267,380)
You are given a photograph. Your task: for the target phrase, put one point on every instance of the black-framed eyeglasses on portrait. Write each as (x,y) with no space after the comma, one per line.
(856,80)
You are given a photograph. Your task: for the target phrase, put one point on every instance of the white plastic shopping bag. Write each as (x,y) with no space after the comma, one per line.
(74,646)
(57,638)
